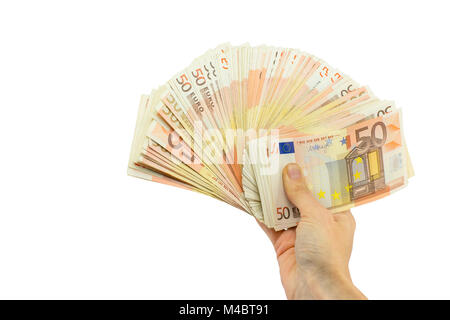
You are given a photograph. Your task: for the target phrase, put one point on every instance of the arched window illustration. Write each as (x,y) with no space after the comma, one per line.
(359,169)
(365,170)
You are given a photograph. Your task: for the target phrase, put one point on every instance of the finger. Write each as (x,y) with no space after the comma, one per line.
(345,218)
(271,233)
(281,240)
(298,193)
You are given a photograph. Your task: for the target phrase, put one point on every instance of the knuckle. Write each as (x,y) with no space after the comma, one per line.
(299,187)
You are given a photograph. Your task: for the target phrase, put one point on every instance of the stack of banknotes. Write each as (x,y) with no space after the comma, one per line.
(227,125)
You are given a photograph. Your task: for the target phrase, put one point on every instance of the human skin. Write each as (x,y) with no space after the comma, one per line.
(313,257)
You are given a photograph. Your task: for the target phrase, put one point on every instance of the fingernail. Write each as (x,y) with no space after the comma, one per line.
(293,171)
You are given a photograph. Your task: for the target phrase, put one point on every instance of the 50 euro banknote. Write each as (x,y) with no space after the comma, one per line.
(348,167)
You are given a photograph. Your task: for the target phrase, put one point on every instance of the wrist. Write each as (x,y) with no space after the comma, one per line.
(332,285)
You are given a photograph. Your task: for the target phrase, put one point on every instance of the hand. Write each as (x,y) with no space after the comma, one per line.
(313,257)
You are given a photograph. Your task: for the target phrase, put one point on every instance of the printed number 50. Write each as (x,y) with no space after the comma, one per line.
(185,84)
(372,138)
(283,213)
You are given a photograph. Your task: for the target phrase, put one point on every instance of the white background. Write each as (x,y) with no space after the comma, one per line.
(74,225)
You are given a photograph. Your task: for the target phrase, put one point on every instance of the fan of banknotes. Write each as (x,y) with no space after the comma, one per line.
(227,125)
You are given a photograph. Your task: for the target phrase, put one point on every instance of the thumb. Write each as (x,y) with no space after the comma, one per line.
(298,193)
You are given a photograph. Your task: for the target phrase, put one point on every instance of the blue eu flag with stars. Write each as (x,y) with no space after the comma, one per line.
(286,147)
